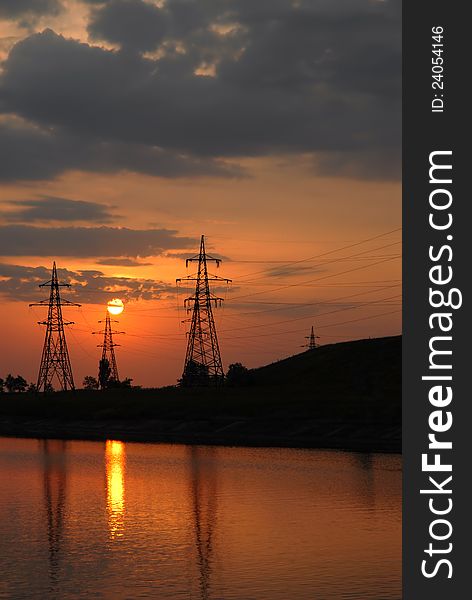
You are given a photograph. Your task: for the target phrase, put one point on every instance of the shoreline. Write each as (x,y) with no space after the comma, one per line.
(344,396)
(355,437)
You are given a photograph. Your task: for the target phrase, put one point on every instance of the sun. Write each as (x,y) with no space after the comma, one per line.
(115,306)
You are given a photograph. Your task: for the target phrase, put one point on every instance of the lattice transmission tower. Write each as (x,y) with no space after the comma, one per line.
(312,344)
(203,364)
(55,361)
(107,367)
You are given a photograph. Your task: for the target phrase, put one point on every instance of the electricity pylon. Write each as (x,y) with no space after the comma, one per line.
(55,357)
(203,364)
(107,367)
(311,340)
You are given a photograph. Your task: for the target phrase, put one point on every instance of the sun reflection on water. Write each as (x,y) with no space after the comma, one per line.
(115,466)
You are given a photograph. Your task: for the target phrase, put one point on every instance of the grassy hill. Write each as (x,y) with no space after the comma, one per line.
(353,387)
(364,375)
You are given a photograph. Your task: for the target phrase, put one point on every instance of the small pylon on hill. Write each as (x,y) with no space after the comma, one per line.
(312,344)
(55,361)
(107,367)
(203,364)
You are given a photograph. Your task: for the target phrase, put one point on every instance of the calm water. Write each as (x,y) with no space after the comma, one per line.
(127,521)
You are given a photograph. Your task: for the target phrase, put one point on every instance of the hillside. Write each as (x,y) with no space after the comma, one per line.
(360,373)
(340,395)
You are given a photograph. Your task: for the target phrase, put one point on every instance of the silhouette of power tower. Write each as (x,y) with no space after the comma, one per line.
(203,364)
(311,345)
(107,367)
(55,357)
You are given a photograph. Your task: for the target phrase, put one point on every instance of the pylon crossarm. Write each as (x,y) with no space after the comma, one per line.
(210,277)
(208,258)
(189,278)
(64,323)
(69,303)
(218,278)
(103,332)
(53,282)
(195,258)
(108,345)
(61,302)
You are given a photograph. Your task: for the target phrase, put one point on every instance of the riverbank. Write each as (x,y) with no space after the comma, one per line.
(342,396)
(221,432)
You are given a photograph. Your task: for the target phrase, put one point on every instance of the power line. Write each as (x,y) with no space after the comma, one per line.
(315,280)
(319,326)
(365,241)
(284,262)
(370,303)
(311,303)
(344,258)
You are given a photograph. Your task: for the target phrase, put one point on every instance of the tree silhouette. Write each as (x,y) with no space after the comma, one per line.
(15,384)
(237,374)
(90,383)
(104,372)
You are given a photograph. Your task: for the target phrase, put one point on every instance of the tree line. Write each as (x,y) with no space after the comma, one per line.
(237,375)
(12,384)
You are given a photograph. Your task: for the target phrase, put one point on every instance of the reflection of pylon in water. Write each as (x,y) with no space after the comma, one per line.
(55,479)
(204,508)
(55,357)
(107,367)
(311,345)
(203,360)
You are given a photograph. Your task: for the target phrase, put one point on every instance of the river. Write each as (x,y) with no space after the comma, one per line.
(113,520)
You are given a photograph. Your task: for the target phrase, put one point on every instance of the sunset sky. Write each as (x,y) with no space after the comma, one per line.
(130,128)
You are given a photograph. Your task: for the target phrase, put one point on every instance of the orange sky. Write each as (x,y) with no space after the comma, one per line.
(275,216)
(283,211)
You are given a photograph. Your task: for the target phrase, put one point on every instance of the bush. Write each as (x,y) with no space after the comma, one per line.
(238,374)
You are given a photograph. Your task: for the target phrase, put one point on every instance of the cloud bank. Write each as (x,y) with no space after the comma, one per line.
(224,79)
(89,242)
(51,208)
(19,283)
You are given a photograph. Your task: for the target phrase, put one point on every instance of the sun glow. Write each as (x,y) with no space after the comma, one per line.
(115,306)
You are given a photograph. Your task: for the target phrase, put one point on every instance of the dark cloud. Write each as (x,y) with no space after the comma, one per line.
(320,77)
(20,283)
(293,270)
(33,153)
(50,208)
(20,8)
(131,23)
(84,242)
(121,262)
